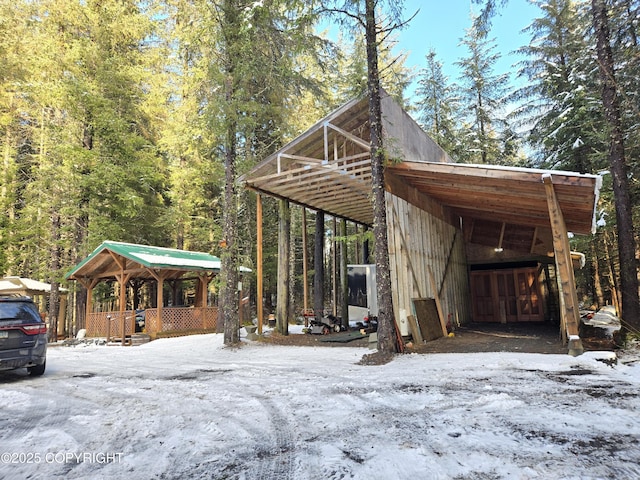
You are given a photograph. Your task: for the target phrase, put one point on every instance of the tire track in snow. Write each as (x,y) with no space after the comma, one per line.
(276,462)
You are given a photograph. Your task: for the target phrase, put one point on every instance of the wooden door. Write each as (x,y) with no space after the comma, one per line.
(529,298)
(482,297)
(507,299)
(509,295)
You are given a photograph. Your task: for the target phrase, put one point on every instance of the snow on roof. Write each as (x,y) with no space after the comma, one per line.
(24,285)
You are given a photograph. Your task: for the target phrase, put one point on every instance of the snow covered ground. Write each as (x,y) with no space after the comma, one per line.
(190,408)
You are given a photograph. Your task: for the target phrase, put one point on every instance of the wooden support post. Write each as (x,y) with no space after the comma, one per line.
(159,275)
(334,270)
(159,301)
(569,305)
(305,260)
(318,266)
(259,284)
(203,280)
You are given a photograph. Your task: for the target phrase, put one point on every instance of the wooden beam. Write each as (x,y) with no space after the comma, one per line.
(304,178)
(357,140)
(562,251)
(533,240)
(434,287)
(356,217)
(501,236)
(259,285)
(305,260)
(334,272)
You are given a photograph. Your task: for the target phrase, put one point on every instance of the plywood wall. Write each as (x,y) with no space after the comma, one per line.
(419,241)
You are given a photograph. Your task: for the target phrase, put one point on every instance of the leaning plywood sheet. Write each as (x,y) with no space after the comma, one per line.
(428,320)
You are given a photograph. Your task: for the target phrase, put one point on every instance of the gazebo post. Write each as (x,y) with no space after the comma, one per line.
(160,300)
(203,280)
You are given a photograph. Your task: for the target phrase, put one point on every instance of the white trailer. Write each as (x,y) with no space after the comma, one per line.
(363,299)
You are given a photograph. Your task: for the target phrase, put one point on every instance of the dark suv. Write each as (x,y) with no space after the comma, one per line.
(23,336)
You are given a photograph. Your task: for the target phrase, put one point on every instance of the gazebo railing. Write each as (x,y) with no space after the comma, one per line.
(109,324)
(174,319)
(181,318)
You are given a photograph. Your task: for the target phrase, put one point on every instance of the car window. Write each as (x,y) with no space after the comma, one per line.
(23,311)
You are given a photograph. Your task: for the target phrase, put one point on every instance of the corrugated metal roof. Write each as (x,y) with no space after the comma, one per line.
(102,262)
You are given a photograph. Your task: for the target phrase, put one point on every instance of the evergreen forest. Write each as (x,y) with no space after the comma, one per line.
(125,120)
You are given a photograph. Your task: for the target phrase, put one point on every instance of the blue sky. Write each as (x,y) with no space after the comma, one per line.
(440,24)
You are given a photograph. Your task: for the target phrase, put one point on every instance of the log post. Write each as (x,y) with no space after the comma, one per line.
(284,231)
(259,280)
(562,252)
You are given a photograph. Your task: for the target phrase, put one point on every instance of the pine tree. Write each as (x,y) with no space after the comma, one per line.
(483,95)
(624,218)
(438,105)
(364,16)
(254,77)
(558,102)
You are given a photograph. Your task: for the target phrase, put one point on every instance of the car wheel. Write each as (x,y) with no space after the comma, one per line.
(37,370)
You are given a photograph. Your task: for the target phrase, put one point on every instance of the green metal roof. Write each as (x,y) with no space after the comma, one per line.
(101,261)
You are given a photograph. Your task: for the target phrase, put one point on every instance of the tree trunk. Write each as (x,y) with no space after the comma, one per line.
(294,291)
(229,254)
(386,320)
(344,286)
(597,282)
(611,274)
(284,231)
(54,266)
(318,266)
(626,240)
(366,256)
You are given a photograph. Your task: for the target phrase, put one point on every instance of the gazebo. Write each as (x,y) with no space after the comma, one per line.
(124,263)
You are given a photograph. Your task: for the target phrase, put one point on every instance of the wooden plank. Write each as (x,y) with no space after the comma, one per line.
(434,287)
(427,317)
(404,245)
(415,329)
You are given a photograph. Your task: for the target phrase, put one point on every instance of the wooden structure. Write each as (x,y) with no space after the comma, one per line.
(443,218)
(124,263)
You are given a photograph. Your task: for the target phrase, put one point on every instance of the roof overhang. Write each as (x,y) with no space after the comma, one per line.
(508,195)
